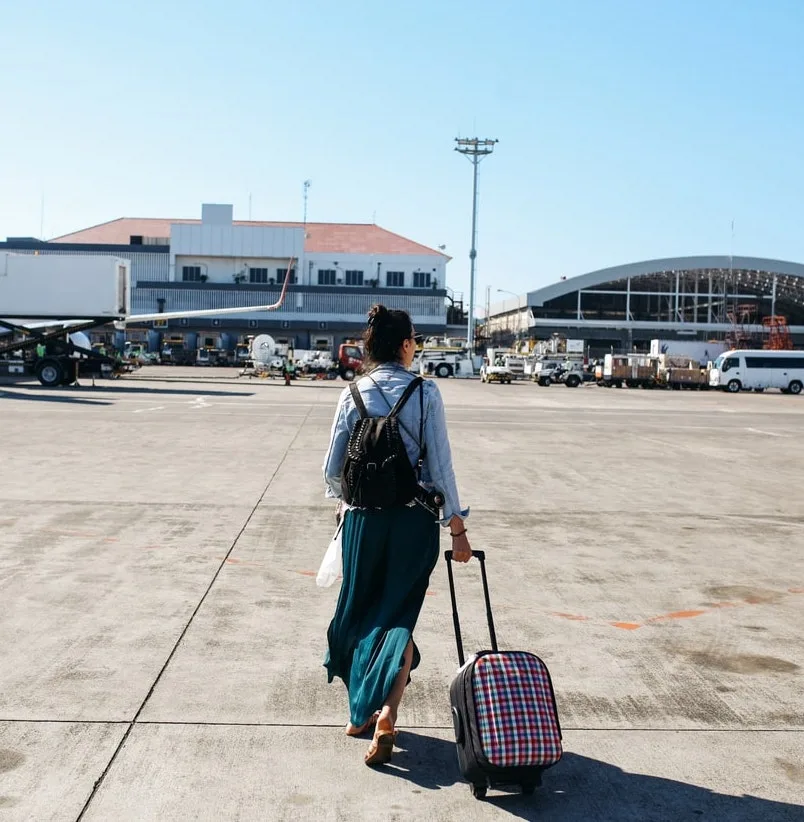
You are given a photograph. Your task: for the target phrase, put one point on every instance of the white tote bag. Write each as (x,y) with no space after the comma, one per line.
(332,563)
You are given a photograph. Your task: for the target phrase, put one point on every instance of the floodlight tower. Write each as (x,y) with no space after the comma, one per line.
(474,150)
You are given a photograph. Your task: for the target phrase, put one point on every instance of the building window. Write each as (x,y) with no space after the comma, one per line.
(258,275)
(326,276)
(421,279)
(191,273)
(354,278)
(395,279)
(280,275)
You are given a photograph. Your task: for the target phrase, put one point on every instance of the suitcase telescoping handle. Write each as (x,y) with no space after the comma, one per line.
(480,556)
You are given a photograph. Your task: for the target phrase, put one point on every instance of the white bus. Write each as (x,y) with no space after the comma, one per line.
(736,371)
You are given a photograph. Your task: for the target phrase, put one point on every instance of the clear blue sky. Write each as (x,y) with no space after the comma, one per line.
(628,129)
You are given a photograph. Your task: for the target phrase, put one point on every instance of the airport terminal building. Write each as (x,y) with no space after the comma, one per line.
(742,300)
(338,271)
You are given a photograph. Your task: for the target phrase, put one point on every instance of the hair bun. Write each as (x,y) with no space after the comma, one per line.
(378,315)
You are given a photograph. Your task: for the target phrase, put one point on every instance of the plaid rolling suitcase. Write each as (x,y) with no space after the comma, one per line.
(503,709)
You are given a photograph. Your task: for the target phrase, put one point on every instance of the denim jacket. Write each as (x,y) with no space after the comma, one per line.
(437,471)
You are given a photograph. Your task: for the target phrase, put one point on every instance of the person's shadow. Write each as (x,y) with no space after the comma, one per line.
(579,789)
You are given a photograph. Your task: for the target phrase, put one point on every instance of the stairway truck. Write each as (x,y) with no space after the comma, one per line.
(55,286)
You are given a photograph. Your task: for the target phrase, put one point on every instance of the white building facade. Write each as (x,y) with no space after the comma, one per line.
(337,272)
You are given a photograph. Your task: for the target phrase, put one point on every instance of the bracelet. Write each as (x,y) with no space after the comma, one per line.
(459,534)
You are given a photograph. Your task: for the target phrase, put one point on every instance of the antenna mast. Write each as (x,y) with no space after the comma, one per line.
(307,184)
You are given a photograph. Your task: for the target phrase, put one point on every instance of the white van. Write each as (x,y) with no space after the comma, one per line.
(757,370)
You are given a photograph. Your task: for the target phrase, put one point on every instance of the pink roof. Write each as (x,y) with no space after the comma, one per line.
(343,238)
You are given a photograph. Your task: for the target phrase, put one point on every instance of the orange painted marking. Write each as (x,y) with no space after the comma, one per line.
(687,614)
(431,593)
(573,617)
(308,573)
(677,615)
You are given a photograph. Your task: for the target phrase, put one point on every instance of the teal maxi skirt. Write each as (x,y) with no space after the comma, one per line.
(388,557)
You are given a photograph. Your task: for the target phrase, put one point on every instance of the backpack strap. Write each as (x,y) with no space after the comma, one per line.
(358,400)
(422,446)
(411,387)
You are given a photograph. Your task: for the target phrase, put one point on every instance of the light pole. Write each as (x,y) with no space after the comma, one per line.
(475,150)
(519,308)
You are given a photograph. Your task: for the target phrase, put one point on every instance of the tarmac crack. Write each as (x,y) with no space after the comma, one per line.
(197,608)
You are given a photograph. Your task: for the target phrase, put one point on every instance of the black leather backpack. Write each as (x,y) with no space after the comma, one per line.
(377,472)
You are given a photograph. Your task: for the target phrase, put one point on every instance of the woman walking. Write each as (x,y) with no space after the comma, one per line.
(388,553)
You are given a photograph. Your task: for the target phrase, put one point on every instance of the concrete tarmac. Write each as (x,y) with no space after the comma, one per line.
(162,634)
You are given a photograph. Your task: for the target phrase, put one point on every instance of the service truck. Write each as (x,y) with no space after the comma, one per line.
(47,302)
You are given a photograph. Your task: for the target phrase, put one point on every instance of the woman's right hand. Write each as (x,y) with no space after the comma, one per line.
(461,549)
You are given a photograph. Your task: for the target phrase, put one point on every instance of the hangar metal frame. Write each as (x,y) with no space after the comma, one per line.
(682,294)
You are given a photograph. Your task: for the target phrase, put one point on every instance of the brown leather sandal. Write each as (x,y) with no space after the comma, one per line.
(381,748)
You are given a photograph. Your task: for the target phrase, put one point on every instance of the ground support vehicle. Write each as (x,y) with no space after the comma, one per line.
(571,374)
(56,356)
(318,365)
(694,379)
(756,370)
(174,352)
(631,370)
(543,370)
(350,360)
(514,362)
(680,373)
(496,373)
(137,353)
(443,364)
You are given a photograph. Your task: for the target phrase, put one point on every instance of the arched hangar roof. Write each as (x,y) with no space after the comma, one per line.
(756,265)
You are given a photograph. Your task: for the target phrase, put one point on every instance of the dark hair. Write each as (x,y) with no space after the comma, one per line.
(387,330)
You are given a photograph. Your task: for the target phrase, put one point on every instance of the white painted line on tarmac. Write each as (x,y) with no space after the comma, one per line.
(146,410)
(767,433)
(273,417)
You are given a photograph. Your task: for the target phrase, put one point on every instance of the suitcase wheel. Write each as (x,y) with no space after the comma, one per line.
(478,791)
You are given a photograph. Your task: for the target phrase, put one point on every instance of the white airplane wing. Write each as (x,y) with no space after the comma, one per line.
(212,312)
(38,325)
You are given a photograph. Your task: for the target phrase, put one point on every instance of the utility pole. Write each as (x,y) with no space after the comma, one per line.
(474,150)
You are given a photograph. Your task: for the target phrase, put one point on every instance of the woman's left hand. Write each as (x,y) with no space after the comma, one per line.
(461,549)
